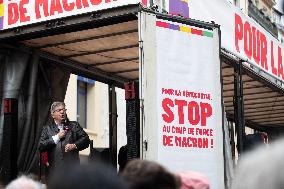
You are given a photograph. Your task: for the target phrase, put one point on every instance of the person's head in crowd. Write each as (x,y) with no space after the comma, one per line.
(261,169)
(122,157)
(24,182)
(86,176)
(144,174)
(193,180)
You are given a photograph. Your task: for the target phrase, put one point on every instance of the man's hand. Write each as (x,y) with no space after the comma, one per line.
(61,134)
(70,147)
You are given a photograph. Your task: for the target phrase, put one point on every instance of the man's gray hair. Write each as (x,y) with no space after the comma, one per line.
(24,182)
(262,168)
(55,105)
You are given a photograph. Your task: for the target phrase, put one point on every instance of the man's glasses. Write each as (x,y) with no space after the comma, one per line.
(59,110)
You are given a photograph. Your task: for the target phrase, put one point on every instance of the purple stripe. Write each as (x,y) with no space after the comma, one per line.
(174,27)
(1,22)
(179,7)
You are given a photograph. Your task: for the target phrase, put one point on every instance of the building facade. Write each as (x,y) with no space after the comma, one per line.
(262,11)
(87,102)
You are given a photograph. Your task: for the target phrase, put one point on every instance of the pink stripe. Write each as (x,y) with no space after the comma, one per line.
(162,24)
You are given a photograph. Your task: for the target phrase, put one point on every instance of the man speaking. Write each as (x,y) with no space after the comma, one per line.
(62,139)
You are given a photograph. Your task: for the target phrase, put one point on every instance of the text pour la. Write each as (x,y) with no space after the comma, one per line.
(257,48)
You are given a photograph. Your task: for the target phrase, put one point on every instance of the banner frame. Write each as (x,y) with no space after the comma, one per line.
(149,151)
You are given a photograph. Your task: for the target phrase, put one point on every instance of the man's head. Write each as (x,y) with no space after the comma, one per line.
(261,168)
(144,174)
(24,182)
(58,111)
(86,176)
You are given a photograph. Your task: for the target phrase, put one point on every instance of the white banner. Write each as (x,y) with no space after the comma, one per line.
(189,107)
(240,34)
(23,12)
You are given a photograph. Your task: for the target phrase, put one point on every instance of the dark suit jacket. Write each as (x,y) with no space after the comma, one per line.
(56,152)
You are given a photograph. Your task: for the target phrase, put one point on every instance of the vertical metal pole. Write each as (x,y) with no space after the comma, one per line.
(242,104)
(232,140)
(137,115)
(239,108)
(113,125)
(110,120)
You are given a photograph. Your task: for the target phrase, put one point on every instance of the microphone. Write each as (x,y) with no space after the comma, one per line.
(65,125)
(61,125)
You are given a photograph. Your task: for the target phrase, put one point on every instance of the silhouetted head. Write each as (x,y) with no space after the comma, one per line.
(143,174)
(86,176)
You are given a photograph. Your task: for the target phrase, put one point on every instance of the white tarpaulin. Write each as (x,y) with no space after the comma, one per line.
(23,12)
(240,34)
(188,93)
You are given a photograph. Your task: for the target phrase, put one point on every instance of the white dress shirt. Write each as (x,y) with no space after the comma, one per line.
(56,138)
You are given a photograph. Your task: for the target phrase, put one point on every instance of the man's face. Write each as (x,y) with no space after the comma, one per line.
(59,114)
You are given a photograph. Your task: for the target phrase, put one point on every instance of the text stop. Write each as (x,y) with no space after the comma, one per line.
(196,112)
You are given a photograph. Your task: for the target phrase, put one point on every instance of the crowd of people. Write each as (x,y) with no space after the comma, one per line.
(259,169)
(138,174)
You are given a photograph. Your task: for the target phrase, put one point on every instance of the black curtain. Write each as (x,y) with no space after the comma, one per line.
(2,62)
(13,65)
(37,84)
(2,58)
